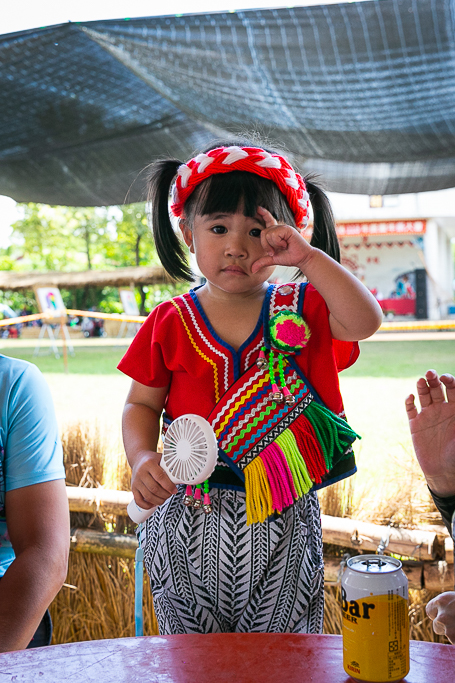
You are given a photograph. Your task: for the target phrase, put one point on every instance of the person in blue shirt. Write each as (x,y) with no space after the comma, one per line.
(433,437)
(34,516)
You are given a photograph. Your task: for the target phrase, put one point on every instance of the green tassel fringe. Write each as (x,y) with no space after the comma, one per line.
(333,433)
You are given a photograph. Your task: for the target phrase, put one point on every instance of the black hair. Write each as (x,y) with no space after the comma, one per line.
(225,193)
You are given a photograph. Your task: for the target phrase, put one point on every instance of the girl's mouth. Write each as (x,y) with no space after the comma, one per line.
(235,270)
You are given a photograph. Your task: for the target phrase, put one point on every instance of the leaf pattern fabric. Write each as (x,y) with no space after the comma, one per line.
(214,574)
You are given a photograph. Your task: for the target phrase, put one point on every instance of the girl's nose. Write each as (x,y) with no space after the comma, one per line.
(236,247)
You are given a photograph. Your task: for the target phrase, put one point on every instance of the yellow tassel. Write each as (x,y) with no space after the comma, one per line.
(258,493)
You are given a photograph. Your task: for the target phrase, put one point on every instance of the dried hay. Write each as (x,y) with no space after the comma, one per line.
(400,498)
(97,600)
(337,500)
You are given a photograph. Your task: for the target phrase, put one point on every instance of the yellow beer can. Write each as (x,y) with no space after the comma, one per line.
(374,603)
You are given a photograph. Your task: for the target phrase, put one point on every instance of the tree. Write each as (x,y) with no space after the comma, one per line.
(63,238)
(134,244)
(58,237)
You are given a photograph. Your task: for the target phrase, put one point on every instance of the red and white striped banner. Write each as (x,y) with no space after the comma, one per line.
(410,227)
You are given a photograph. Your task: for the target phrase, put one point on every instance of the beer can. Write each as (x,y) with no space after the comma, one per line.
(374,603)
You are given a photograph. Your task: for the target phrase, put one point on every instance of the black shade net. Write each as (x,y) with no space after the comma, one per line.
(362,93)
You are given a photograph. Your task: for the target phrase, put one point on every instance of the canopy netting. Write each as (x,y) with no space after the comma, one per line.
(363,93)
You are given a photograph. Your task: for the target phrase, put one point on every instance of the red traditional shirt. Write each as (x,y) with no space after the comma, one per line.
(177,346)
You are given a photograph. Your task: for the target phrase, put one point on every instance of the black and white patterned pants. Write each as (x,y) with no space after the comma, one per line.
(213,574)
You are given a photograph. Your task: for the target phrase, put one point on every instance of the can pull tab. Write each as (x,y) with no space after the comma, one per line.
(374,563)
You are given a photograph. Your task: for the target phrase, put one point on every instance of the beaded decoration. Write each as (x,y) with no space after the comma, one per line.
(252,159)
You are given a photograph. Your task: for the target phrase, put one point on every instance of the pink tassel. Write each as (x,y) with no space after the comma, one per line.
(261,361)
(279,476)
(197,498)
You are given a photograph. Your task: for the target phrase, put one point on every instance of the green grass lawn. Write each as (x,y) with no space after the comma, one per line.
(374,390)
(377,359)
(389,481)
(92,392)
(90,360)
(403,359)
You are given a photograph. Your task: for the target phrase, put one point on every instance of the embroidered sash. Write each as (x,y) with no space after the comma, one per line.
(284,451)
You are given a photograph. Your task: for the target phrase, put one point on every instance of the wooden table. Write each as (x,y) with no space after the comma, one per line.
(213,658)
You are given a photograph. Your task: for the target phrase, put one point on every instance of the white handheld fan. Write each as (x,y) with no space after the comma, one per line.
(189,456)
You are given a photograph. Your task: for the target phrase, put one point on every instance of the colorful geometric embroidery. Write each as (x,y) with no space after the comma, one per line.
(206,358)
(284,449)
(206,341)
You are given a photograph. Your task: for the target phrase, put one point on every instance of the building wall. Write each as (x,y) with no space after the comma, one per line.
(378,267)
(378,262)
(439,267)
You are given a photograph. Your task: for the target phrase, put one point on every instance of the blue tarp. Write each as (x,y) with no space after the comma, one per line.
(363,93)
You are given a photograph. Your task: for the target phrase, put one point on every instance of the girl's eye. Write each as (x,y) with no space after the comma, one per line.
(219,229)
(255,232)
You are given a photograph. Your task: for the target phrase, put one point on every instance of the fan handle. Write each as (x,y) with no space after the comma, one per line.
(137,514)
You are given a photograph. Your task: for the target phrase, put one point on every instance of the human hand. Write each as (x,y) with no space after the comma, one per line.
(441,611)
(150,484)
(433,430)
(283,245)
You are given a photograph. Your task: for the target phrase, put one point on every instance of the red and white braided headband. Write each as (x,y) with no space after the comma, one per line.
(251,159)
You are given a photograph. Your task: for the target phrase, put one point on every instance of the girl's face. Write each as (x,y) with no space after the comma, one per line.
(226,246)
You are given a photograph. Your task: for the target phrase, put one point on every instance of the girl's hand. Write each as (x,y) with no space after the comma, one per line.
(283,245)
(149,482)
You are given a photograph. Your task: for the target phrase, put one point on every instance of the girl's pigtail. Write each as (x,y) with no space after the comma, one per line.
(168,245)
(324,233)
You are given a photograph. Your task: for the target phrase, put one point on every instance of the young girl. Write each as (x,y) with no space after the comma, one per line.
(259,362)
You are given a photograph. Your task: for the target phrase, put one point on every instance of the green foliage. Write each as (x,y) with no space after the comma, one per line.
(62,238)
(133,244)
(19,301)
(59,237)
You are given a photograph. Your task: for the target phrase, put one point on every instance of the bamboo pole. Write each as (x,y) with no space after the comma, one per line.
(362,536)
(103,543)
(448,548)
(437,576)
(365,536)
(413,571)
(104,501)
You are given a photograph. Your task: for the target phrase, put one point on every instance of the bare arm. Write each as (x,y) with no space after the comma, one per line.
(354,312)
(37,518)
(433,437)
(141,427)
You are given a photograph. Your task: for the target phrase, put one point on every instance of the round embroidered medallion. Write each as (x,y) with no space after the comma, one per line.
(288,332)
